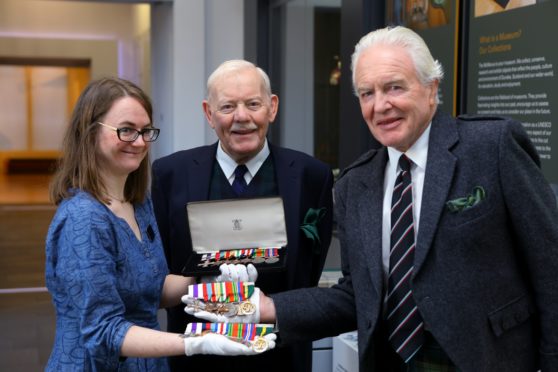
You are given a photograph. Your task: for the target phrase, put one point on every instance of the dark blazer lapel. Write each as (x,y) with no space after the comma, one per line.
(370,206)
(440,168)
(199,172)
(288,182)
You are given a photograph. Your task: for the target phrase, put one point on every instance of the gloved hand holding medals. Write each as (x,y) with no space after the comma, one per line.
(231,304)
(233,273)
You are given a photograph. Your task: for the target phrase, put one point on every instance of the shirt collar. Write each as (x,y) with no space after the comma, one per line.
(418,152)
(228,165)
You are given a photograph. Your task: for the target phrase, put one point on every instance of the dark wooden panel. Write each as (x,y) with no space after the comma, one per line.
(22,245)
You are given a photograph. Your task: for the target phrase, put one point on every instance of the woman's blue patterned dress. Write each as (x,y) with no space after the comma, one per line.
(102,280)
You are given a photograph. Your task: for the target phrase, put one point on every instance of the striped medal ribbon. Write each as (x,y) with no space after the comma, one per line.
(250,333)
(236,254)
(222,291)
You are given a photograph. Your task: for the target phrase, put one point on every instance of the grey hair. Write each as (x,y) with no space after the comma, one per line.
(428,69)
(235,66)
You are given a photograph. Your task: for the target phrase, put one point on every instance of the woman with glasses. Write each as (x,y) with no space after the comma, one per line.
(105,266)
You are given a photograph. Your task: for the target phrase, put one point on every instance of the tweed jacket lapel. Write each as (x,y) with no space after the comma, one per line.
(440,169)
(368,214)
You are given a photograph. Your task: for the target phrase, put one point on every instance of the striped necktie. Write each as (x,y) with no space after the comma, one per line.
(404,321)
(239,183)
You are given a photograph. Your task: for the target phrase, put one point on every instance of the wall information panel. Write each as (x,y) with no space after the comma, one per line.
(512,69)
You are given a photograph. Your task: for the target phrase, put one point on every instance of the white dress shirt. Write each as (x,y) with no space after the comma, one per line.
(418,154)
(228,165)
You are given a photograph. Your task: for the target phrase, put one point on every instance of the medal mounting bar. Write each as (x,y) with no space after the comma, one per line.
(233,231)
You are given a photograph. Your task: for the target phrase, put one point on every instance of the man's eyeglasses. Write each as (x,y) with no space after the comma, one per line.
(127,134)
(230,107)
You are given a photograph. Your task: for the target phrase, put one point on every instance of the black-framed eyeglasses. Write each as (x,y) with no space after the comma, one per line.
(127,134)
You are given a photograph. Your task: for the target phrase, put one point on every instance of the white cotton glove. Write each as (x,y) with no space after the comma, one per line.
(216,318)
(233,273)
(212,343)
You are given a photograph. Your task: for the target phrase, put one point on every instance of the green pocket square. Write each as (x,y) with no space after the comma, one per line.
(460,204)
(310,227)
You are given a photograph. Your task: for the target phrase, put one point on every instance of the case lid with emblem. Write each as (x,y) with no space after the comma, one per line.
(231,224)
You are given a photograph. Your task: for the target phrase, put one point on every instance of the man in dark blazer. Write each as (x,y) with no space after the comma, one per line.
(240,107)
(482,285)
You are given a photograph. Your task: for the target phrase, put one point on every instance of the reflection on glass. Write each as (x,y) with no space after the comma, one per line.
(419,14)
(50,101)
(13,108)
(327,76)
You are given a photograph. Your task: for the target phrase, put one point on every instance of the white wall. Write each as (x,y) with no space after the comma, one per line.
(297,87)
(103,54)
(224,38)
(141,27)
(189,39)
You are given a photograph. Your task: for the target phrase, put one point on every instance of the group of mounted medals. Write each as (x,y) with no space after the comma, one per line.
(228,299)
(240,256)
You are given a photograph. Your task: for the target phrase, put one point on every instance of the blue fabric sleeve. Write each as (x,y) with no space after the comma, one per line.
(87,264)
